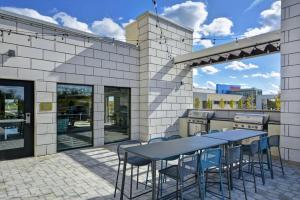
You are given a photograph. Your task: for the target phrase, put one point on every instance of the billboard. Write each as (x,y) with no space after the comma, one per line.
(226,89)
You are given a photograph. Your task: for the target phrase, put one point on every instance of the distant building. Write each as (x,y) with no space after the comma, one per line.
(253,92)
(236,89)
(205,95)
(226,89)
(266,102)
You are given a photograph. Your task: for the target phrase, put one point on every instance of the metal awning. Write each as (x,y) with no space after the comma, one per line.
(247,47)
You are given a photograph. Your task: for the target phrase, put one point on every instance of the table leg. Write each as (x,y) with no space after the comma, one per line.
(230,171)
(123,176)
(153,168)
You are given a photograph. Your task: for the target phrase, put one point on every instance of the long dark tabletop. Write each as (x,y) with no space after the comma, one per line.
(167,149)
(235,135)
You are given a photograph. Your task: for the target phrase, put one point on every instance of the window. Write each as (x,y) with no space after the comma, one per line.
(74,116)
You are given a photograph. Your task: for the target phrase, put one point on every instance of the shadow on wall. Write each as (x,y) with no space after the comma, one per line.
(168,88)
(4,58)
(81,68)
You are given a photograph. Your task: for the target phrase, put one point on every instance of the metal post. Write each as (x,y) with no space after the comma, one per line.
(153,167)
(123,176)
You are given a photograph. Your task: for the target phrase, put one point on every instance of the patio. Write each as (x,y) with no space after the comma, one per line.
(90,174)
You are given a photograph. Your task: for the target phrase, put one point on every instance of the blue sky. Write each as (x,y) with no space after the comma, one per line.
(225,20)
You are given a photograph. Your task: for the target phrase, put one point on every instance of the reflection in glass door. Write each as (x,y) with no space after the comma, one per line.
(116,114)
(16,120)
(74,116)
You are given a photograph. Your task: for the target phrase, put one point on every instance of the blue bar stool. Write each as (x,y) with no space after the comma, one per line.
(210,159)
(186,169)
(132,160)
(274,142)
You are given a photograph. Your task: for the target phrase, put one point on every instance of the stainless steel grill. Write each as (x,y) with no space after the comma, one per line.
(250,121)
(198,121)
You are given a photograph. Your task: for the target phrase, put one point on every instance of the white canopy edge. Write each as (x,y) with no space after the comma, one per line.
(243,45)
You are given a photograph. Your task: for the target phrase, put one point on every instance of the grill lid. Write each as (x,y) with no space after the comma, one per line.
(251,118)
(201,114)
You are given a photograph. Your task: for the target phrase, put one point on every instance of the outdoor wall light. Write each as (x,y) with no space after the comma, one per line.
(11,53)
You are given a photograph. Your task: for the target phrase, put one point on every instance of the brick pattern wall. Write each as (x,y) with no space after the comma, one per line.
(48,60)
(290,80)
(162,96)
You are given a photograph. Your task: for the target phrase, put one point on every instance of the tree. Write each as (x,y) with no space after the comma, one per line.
(249,102)
(277,102)
(209,104)
(231,104)
(197,103)
(222,104)
(240,104)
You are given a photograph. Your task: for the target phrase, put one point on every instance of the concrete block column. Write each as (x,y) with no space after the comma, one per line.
(290,80)
(165,88)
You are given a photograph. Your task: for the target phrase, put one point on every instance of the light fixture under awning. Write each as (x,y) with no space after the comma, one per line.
(248,47)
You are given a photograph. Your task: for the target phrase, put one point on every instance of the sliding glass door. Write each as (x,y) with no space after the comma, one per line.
(74,116)
(116,114)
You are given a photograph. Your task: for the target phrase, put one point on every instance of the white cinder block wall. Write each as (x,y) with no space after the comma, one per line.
(290,80)
(48,60)
(165,88)
(160,91)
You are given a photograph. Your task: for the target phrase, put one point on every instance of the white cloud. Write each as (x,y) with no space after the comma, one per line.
(272,74)
(245,76)
(240,66)
(71,22)
(209,70)
(208,85)
(29,13)
(244,86)
(275,89)
(254,4)
(205,43)
(232,77)
(270,92)
(129,22)
(190,14)
(270,20)
(218,27)
(195,71)
(193,15)
(275,86)
(196,85)
(211,85)
(107,27)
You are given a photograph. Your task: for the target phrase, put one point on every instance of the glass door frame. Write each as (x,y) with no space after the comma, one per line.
(28,149)
(129,113)
(92,115)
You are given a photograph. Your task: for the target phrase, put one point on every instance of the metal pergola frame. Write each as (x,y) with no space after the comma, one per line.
(266,43)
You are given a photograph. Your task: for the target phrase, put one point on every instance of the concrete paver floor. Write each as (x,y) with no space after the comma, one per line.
(90,174)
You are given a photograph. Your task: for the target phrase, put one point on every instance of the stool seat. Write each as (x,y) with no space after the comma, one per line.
(138,161)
